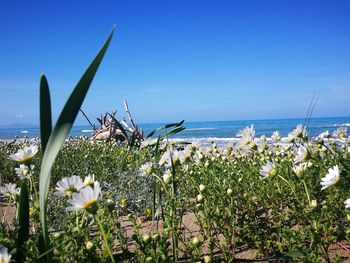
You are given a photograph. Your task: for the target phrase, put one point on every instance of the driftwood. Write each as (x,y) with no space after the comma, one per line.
(112,129)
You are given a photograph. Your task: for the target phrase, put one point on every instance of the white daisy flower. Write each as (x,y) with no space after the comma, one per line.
(298,132)
(322,135)
(302,154)
(262,143)
(171,154)
(86,199)
(10,190)
(89,180)
(24,155)
(340,133)
(244,141)
(269,169)
(347,203)
(243,151)
(22,171)
(300,169)
(4,255)
(177,156)
(165,159)
(185,155)
(331,178)
(146,169)
(246,132)
(276,136)
(69,185)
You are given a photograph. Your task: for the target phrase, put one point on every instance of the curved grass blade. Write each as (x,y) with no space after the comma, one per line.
(60,132)
(157,146)
(151,133)
(23,221)
(165,127)
(45,112)
(119,126)
(173,124)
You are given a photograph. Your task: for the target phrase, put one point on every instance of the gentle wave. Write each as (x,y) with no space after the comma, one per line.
(342,125)
(200,129)
(24,131)
(86,131)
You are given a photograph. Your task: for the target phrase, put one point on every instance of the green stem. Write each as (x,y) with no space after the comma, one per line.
(31,181)
(307,193)
(291,187)
(83,219)
(104,238)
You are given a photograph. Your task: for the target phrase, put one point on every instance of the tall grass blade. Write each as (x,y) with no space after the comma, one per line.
(165,127)
(23,221)
(173,124)
(61,130)
(151,134)
(45,112)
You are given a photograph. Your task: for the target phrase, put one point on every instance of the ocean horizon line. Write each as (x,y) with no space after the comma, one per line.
(31,125)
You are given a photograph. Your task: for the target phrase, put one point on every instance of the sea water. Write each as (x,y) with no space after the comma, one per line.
(217,130)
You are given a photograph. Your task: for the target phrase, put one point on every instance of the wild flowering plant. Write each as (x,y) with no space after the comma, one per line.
(281,198)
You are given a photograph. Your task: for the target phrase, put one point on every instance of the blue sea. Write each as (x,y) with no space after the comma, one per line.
(210,129)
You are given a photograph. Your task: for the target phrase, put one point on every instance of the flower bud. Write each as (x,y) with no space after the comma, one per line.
(89,245)
(201,188)
(200,198)
(195,241)
(155,237)
(229,192)
(110,204)
(313,203)
(167,178)
(207,259)
(149,259)
(146,238)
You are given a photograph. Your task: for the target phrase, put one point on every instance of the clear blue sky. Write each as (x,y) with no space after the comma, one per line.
(172,60)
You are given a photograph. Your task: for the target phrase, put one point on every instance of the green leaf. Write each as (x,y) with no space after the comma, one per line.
(174,124)
(294,254)
(151,133)
(23,222)
(61,131)
(45,112)
(165,127)
(157,146)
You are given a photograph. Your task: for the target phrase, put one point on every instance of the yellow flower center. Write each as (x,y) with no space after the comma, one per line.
(89,204)
(306,156)
(69,191)
(24,160)
(90,183)
(246,142)
(273,172)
